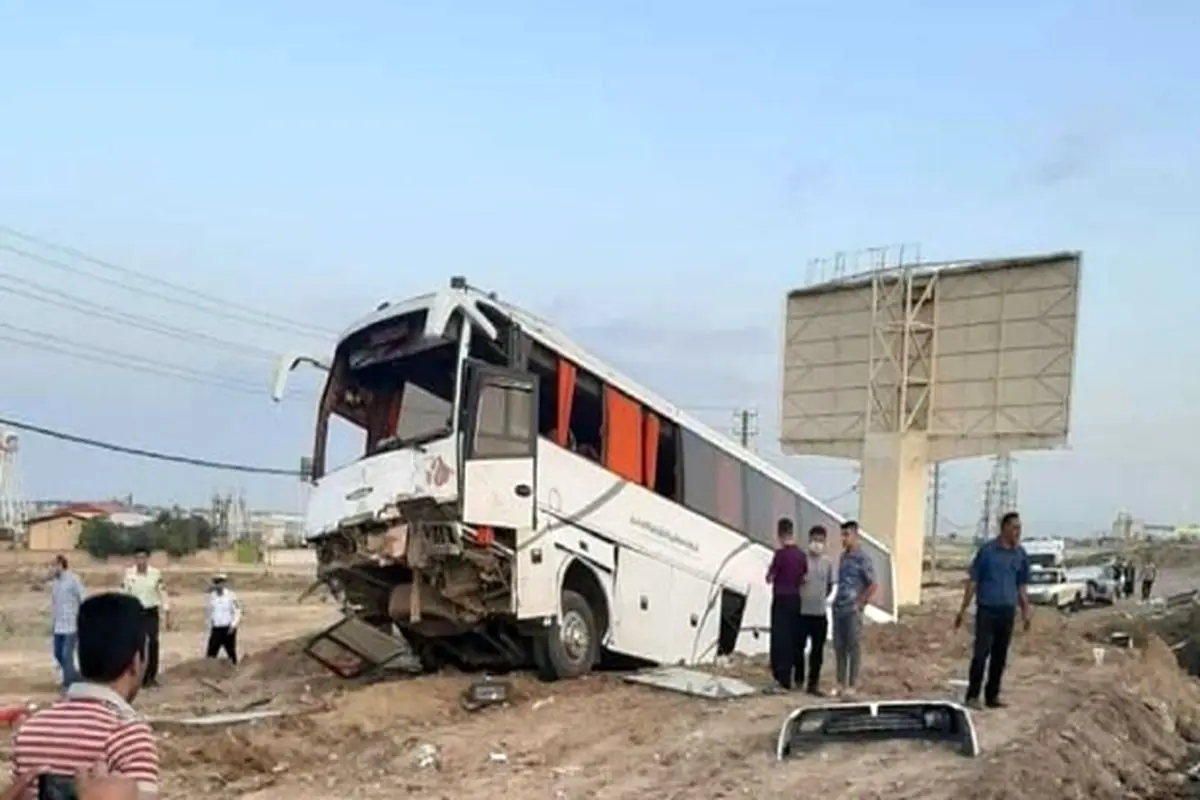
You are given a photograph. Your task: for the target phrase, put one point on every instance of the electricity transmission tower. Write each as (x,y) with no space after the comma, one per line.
(13,510)
(999,497)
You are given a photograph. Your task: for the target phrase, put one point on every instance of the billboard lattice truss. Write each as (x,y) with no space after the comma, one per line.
(979,356)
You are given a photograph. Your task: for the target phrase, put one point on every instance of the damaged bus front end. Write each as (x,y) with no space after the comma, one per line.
(387,527)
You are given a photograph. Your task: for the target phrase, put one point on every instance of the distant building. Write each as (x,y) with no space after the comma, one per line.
(129,519)
(57,531)
(276,529)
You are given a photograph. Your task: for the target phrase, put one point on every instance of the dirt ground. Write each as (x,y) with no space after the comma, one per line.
(1074,729)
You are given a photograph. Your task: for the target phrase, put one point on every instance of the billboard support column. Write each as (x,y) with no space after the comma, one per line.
(895,469)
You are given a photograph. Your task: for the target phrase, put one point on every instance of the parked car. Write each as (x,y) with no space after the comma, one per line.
(1102,587)
(1052,587)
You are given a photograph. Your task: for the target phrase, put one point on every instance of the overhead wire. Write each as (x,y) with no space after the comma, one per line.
(260,319)
(227,466)
(74,252)
(55,297)
(40,340)
(831,500)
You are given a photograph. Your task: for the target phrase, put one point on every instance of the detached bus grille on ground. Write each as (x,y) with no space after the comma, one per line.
(927,720)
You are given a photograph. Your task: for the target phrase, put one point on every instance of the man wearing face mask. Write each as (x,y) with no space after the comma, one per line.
(814,611)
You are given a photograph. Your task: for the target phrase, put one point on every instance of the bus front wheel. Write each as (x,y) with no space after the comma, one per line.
(571,646)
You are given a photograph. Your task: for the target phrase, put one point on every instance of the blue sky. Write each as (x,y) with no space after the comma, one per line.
(668,165)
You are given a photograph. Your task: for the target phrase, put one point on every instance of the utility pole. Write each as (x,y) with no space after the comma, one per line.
(745,426)
(933,525)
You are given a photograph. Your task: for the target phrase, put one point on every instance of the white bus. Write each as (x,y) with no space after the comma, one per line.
(520,502)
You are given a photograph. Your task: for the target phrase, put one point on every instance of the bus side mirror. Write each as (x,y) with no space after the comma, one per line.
(286,365)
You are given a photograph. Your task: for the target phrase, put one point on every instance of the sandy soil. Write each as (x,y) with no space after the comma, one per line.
(1073,730)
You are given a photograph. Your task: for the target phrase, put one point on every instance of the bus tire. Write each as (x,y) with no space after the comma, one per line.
(571,647)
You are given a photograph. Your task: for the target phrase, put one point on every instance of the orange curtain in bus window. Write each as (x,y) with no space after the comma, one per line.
(622,435)
(566,395)
(650,449)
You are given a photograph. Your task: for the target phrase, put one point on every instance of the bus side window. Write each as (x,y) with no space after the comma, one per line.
(587,417)
(545,367)
(666,472)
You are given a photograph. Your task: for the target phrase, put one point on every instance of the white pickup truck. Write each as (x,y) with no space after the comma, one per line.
(1053,587)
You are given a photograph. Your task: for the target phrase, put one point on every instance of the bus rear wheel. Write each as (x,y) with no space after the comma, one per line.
(571,646)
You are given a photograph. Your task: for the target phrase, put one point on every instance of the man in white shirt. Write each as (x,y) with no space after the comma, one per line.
(224,614)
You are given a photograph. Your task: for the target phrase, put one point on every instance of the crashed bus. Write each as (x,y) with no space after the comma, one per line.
(521,503)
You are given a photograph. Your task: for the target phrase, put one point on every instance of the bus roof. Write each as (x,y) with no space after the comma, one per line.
(551,337)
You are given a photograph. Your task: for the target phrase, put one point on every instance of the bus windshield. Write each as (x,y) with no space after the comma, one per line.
(398,388)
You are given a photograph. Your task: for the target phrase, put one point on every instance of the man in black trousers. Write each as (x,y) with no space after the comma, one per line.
(786,575)
(998,577)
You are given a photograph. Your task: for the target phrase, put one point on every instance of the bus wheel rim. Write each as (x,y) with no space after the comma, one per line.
(575,636)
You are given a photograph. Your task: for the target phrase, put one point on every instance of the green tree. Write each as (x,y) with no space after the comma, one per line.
(175,533)
(101,538)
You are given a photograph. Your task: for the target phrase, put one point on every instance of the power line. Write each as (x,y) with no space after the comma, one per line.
(259,318)
(67,347)
(831,500)
(74,303)
(152,454)
(76,253)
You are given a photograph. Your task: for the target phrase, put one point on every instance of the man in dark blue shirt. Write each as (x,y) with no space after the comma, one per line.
(999,575)
(786,574)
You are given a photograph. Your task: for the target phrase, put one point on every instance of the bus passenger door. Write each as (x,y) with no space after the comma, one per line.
(499,448)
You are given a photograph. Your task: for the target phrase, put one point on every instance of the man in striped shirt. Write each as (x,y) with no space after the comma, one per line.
(94,726)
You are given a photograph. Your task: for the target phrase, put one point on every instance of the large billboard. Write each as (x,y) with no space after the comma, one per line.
(978,355)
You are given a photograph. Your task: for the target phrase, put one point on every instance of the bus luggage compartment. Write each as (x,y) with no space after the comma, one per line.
(930,720)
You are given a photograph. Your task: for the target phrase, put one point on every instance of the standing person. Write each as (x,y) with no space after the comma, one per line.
(856,586)
(93,725)
(145,583)
(1149,576)
(1118,576)
(786,574)
(66,595)
(224,614)
(998,577)
(1130,577)
(814,611)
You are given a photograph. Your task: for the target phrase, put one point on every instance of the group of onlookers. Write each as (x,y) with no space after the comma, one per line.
(811,592)
(107,649)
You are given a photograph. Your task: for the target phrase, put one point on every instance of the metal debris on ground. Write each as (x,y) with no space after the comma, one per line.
(224,718)
(693,682)
(428,756)
(485,693)
(928,720)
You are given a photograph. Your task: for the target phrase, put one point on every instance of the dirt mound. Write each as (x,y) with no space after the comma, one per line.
(1123,737)
(250,756)
(285,661)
